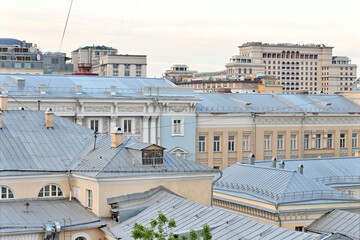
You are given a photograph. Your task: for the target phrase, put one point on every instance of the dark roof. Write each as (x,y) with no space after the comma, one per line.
(95,47)
(10,41)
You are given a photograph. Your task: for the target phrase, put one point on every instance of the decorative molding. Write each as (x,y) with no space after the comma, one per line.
(103,108)
(177,108)
(105,125)
(130,108)
(137,126)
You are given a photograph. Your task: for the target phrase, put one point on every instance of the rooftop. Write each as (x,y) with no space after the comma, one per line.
(98,47)
(309,45)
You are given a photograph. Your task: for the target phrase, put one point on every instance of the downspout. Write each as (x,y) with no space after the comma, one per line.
(302,134)
(212,187)
(278,213)
(197,136)
(254,132)
(70,187)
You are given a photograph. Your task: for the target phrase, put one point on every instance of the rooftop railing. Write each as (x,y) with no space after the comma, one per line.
(338,179)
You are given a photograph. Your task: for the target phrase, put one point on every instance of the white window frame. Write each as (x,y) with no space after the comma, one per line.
(267,142)
(132,125)
(8,192)
(231,143)
(306,141)
(245,141)
(177,129)
(50,191)
(354,140)
(330,141)
(217,143)
(280,142)
(202,144)
(318,140)
(99,123)
(342,140)
(89,198)
(293,142)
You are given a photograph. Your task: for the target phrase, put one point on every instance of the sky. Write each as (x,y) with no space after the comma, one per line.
(202,34)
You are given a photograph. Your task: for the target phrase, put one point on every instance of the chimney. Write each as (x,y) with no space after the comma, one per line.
(357,153)
(0,119)
(301,169)
(78,89)
(112,90)
(3,102)
(49,118)
(42,88)
(273,162)
(116,138)
(282,165)
(251,159)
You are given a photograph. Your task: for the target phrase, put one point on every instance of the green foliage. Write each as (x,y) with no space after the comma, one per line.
(161,230)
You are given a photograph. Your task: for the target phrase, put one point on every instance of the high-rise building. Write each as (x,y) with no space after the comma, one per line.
(310,66)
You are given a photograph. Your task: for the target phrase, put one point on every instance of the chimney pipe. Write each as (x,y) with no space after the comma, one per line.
(49,118)
(112,90)
(3,102)
(282,165)
(117,138)
(0,119)
(273,162)
(78,89)
(251,159)
(42,88)
(301,169)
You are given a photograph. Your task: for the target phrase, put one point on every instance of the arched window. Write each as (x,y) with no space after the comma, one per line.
(51,190)
(6,193)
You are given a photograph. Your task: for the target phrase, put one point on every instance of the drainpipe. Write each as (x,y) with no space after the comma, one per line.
(302,135)
(197,137)
(278,213)
(69,179)
(254,132)
(212,187)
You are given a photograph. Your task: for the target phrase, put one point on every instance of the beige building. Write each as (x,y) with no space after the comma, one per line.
(286,126)
(310,66)
(179,73)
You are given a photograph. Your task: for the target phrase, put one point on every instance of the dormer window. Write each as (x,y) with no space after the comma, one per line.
(152,156)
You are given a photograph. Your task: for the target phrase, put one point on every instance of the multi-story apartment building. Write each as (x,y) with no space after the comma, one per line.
(310,66)
(56,63)
(105,61)
(230,126)
(179,73)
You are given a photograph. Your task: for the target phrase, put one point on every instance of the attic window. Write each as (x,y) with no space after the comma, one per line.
(51,190)
(152,157)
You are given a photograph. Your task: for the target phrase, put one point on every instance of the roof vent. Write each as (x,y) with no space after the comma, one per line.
(78,89)
(3,102)
(21,82)
(251,159)
(112,90)
(49,118)
(117,138)
(21,108)
(301,169)
(273,162)
(282,165)
(42,88)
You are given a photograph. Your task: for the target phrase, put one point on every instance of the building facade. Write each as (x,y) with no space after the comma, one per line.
(230,126)
(310,66)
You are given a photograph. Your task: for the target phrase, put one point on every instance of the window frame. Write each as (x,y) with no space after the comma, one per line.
(245,143)
(50,190)
(202,144)
(99,122)
(280,142)
(89,198)
(177,129)
(231,143)
(267,142)
(318,140)
(293,142)
(354,140)
(8,192)
(306,141)
(343,140)
(125,128)
(330,141)
(217,144)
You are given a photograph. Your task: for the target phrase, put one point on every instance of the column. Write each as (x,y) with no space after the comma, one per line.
(153,129)
(113,124)
(158,131)
(145,130)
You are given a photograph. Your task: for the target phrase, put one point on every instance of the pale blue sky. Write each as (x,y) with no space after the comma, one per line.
(202,34)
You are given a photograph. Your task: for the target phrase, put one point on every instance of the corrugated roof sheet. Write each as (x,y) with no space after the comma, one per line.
(14,218)
(274,103)
(337,221)
(190,215)
(274,185)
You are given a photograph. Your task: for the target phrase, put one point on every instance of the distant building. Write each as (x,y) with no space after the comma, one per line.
(105,61)
(179,73)
(310,66)
(56,63)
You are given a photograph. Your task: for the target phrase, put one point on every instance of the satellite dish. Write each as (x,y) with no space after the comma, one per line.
(38,57)
(32,49)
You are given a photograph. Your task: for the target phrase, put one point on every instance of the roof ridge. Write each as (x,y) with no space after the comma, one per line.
(264,167)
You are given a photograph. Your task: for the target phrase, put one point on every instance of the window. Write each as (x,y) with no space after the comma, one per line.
(94,125)
(318,141)
(293,142)
(127,66)
(307,141)
(6,193)
(115,73)
(354,140)
(138,66)
(280,142)
(342,140)
(138,73)
(116,66)
(152,157)
(127,126)
(330,141)
(127,73)
(202,144)
(216,143)
(51,190)
(231,143)
(267,142)
(246,143)
(89,198)
(178,127)
(299,228)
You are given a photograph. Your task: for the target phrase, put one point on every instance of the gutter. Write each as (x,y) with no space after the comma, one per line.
(254,132)
(212,187)
(70,187)
(302,135)
(278,213)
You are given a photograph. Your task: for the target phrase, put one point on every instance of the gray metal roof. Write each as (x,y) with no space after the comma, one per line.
(337,221)
(63,86)
(274,185)
(14,218)
(330,171)
(190,215)
(274,103)
(26,144)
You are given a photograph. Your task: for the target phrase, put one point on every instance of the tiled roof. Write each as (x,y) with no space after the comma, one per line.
(274,185)
(274,103)
(337,221)
(15,219)
(190,215)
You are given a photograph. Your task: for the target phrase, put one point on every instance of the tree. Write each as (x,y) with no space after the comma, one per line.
(161,230)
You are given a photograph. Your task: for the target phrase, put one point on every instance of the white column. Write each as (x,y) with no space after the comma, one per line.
(113,124)
(145,131)
(158,130)
(79,120)
(153,130)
